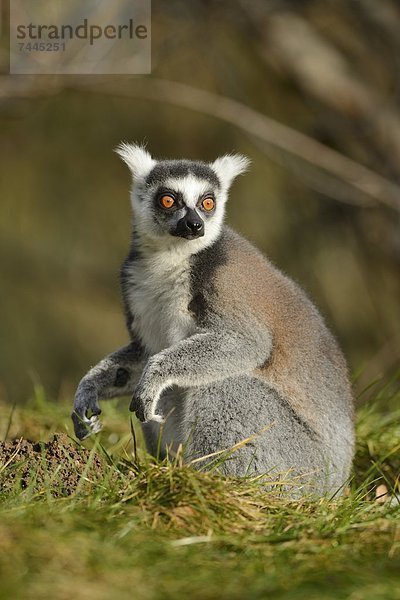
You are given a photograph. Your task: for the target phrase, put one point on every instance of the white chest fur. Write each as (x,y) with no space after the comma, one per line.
(159,295)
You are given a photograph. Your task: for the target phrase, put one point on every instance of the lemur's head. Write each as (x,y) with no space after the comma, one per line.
(179,202)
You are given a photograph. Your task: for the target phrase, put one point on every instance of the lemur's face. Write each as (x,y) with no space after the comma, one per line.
(179,200)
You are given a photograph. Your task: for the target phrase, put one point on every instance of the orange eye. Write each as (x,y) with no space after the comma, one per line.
(208,204)
(167,201)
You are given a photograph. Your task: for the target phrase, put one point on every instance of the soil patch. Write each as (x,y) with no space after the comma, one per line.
(57,466)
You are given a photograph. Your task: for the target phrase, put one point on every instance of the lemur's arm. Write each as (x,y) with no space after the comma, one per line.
(115,375)
(199,360)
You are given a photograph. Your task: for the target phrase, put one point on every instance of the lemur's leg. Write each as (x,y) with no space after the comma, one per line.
(198,360)
(115,375)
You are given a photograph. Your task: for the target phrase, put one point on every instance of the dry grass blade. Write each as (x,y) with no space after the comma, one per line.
(12,457)
(233,448)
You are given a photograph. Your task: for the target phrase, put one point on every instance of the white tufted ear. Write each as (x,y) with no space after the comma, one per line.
(137,158)
(230,166)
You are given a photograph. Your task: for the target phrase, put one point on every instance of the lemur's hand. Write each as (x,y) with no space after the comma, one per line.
(85,415)
(148,391)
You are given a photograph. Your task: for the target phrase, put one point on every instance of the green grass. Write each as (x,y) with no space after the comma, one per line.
(160,530)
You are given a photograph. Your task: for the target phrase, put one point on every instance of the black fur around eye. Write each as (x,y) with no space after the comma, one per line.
(168,199)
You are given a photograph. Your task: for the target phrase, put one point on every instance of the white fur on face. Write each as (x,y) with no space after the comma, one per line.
(190,187)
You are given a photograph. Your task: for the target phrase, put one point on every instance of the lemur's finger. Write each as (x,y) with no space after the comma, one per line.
(84,426)
(95,424)
(86,411)
(137,407)
(80,428)
(144,412)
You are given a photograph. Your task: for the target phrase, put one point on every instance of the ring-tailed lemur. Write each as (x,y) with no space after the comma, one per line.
(224,346)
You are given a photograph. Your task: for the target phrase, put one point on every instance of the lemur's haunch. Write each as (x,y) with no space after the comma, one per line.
(223,345)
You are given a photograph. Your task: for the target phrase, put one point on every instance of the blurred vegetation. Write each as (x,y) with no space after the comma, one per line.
(329,69)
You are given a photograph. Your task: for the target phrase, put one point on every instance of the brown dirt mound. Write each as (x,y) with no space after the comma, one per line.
(56,466)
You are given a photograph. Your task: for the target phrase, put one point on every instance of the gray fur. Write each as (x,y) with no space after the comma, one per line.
(115,375)
(179,169)
(224,347)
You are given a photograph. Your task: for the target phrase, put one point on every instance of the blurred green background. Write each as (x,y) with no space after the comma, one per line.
(329,69)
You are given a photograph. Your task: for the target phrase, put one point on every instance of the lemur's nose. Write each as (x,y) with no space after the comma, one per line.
(190,226)
(194,225)
(193,222)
